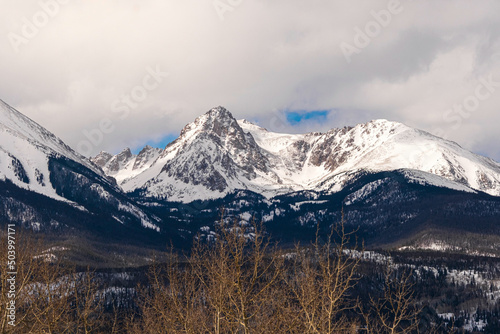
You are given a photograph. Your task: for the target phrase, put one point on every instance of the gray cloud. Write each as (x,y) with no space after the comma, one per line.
(265,57)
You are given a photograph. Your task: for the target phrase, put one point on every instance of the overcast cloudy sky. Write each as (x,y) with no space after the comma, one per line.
(82,66)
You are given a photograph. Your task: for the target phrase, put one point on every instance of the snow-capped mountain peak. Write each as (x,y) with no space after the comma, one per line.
(212,155)
(216,154)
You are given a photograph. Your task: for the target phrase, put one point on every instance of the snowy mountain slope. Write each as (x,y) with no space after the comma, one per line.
(379,145)
(33,159)
(216,155)
(25,148)
(17,124)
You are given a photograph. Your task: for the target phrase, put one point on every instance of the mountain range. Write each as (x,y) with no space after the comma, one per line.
(217,155)
(393,182)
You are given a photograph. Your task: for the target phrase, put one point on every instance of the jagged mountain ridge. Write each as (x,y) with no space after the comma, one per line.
(216,155)
(34,163)
(125,164)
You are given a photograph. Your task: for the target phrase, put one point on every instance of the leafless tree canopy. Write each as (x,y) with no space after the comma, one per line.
(236,283)
(239,283)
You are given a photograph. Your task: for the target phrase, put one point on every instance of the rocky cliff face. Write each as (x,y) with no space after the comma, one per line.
(125,165)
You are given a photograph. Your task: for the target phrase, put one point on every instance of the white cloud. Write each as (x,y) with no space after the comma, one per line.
(263,58)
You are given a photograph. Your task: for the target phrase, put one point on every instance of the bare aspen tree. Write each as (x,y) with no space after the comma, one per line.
(212,270)
(87,310)
(25,267)
(49,295)
(322,278)
(172,303)
(231,285)
(395,311)
(238,272)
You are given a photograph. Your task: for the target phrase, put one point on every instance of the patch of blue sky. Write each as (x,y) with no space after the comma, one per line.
(300,116)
